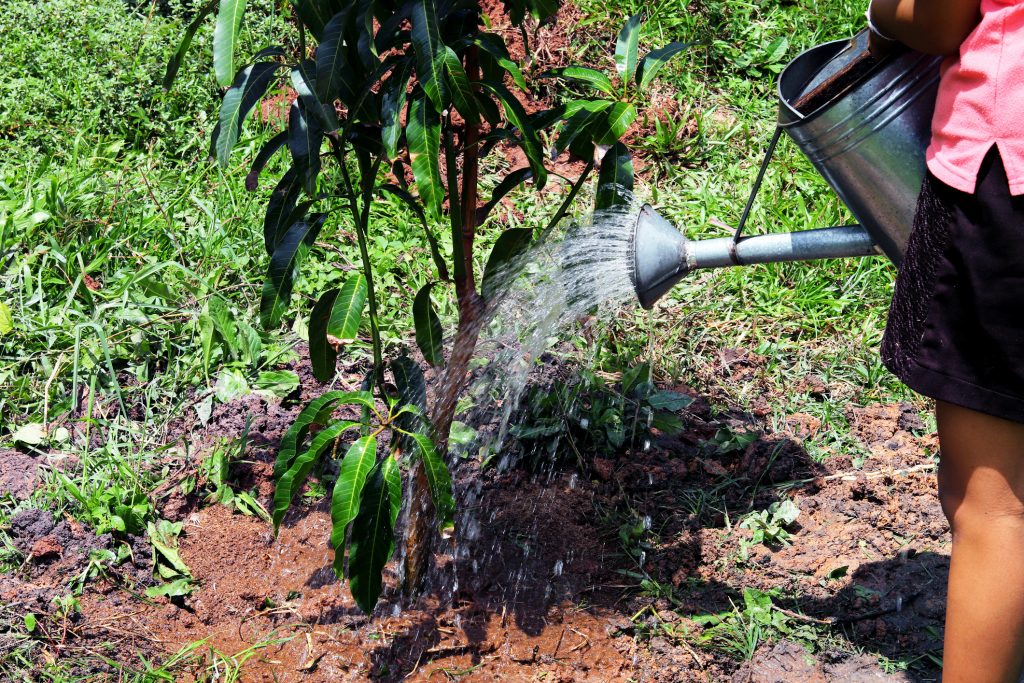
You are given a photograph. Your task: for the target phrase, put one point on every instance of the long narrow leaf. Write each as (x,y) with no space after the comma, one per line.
(225,36)
(494,46)
(461,88)
(305,138)
(430,51)
(509,245)
(249,86)
(529,140)
(295,476)
(435,249)
(335,75)
(615,181)
(317,412)
(511,181)
(429,333)
(355,466)
(393,480)
(322,354)
(316,13)
(372,542)
(393,99)
(348,310)
(616,122)
(580,123)
(266,154)
(582,74)
(627,47)
(655,59)
(424,133)
(284,269)
(304,81)
(174,63)
(439,480)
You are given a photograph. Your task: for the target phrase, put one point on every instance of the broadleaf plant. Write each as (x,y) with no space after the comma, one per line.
(381,86)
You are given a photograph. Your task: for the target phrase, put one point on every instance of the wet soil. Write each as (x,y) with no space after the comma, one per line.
(569,574)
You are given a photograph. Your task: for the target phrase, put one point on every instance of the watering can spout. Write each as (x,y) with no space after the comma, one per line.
(662,256)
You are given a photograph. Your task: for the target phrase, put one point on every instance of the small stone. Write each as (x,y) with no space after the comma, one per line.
(47,546)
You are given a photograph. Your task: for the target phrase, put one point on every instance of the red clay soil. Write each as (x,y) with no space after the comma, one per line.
(534,589)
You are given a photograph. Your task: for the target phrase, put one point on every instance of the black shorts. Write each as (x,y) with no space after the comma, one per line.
(956,324)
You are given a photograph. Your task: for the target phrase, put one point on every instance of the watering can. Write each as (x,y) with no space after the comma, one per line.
(864,123)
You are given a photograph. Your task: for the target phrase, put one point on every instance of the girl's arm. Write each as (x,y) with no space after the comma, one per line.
(933,26)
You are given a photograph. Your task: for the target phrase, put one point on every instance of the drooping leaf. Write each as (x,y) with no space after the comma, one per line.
(393,98)
(317,412)
(305,83)
(305,138)
(627,47)
(295,476)
(493,45)
(429,333)
(615,180)
(582,74)
(284,268)
(248,88)
(655,59)
(424,133)
(529,140)
(581,122)
(461,89)
(393,480)
(322,354)
(280,209)
(511,181)
(355,466)
(616,122)
(435,249)
(509,245)
(347,313)
(430,51)
(316,13)
(225,35)
(266,154)
(439,480)
(372,542)
(174,63)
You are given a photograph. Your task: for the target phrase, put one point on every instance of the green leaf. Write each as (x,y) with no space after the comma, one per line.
(669,400)
(616,122)
(583,118)
(429,333)
(393,96)
(31,434)
(316,13)
(164,538)
(529,140)
(305,136)
(439,481)
(284,268)
(317,412)
(582,74)
(283,210)
(430,51)
(435,249)
(410,382)
(461,89)
(224,323)
(266,154)
(627,47)
(333,71)
(393,480)
(655,59)
(6,320)
(295,476)
(509,245)
(278,382)
(424,133)
(225,35)
(249,86)
(494,45)
(230,385)
(347,313)
(511,181)
(304,81)
(174,63)
(30,622)
(462,434)
(322,354)
(615,180)
(348,489)
(372,542)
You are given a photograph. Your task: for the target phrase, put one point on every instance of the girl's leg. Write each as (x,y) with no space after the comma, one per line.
(981,487)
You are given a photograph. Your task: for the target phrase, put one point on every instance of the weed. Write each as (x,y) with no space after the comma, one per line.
(769,526)
(740,630)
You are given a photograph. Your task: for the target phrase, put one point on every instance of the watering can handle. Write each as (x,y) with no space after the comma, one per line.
(733,254)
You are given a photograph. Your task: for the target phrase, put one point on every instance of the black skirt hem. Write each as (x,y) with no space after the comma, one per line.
(960,392)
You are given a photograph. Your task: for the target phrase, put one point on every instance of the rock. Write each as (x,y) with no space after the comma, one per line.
(46,547)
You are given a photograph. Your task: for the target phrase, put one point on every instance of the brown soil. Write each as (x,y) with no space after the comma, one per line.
(534,588)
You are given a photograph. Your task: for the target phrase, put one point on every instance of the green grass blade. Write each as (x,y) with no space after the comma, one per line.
(225,36)
(429,333)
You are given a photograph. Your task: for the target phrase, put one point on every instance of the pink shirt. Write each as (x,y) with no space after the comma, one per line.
(981,101)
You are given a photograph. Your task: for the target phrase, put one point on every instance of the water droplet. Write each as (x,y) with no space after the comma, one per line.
(558,568)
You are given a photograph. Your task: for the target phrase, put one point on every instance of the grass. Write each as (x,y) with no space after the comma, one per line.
(116,233)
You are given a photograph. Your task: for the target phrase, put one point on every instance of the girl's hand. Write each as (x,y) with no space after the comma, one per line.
(933,26)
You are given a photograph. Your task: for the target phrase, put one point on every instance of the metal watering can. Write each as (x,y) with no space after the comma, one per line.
(867,137)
